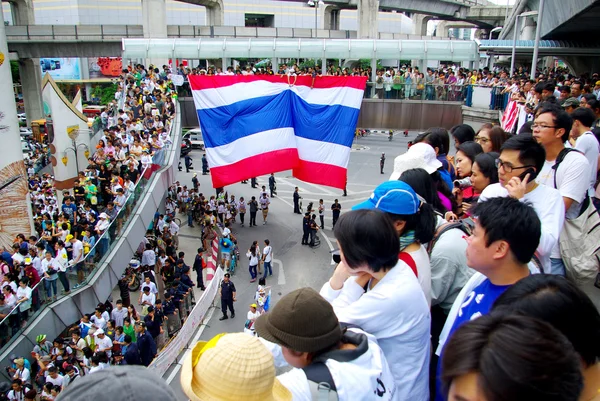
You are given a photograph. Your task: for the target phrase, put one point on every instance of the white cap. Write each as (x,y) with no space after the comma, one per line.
(419,155)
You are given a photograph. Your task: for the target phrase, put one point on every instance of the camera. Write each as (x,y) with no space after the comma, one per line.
(463,183)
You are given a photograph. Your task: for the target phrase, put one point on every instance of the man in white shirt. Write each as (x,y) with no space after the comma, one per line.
(77,260)
(174,230)
(585,140)
(264,206)
(571,177)
(319,351)
(97,320)
(103,342)
(62,261)
(267,258)
(521,158)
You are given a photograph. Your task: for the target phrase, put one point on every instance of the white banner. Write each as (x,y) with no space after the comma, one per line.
(177,79)
(169,354)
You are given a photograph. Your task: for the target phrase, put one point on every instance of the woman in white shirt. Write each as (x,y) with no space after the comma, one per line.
(253,255)
(370,288)
(251,317)
(24,299)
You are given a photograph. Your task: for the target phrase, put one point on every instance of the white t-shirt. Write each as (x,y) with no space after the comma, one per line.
(99,322)
(550,208)
(572,180)
(24,374)
(78,251)
(268,252)
(395,311)
(151,285)
(421,259)
(367,377)
(149,299)
(589,146)
(103,343)
(57,382)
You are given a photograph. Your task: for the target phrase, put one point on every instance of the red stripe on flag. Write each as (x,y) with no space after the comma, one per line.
(199,82)
(254,166)
(320,173)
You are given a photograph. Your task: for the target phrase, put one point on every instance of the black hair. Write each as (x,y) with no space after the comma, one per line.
(436,137)
(549,86)
(526,128)
(561,118)
(510,220)
(516,358)
(470,149)
(565,89)
(530,152)
(589,96)
(127,338)
(594,104)
(368,237)
(422,183)
(462,133)
(559,302)
(487,165)
(584,115)
(497,137)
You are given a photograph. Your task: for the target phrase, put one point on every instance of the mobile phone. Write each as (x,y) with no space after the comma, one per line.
(529,171)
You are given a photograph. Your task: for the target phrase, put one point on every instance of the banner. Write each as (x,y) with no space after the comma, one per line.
(255,125)
(105,67)
(61,68)
(169,354)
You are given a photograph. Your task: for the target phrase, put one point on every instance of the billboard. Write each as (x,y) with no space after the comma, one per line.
(61,68)
(105,67)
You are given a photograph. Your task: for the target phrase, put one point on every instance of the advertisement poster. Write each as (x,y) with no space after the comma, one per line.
(61,68)
(105,67)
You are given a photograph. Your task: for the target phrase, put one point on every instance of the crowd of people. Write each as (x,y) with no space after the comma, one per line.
(457,279)
(74,227)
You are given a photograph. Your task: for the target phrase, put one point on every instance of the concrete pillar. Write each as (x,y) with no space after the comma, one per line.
(215,14)
(373,69)
(154,17)
(15,213)
(442,30)
(331,18)
(420,24)
(31,84)
(88,92)
(22,11)
(368,11)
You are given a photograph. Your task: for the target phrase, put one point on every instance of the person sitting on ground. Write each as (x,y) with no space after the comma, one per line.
(354,365)
(231,366)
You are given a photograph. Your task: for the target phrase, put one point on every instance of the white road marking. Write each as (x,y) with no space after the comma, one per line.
(331,248)
(193,342)
(281,277)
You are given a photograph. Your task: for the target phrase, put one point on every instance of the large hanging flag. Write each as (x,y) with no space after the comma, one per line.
(260,124)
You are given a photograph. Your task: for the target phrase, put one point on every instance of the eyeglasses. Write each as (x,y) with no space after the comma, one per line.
(482,139)
(508,168)
(541,126)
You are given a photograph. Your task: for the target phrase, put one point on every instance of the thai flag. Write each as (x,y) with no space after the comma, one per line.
(259,124)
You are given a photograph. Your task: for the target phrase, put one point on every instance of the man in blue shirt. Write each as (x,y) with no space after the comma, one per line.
(70,211)
(145,343)
(506,234)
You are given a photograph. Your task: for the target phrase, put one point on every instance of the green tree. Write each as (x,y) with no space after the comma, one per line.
(14,69)
(105,93)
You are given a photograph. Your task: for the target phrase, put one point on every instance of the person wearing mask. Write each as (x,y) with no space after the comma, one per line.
(521,158)
(567,171)
(548,370)
(560,303)
(499,250)
(414,221)
(354,365)
(393,307)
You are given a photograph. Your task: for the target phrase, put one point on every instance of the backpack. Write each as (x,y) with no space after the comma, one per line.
(580,238)
(462,225)
(321,384)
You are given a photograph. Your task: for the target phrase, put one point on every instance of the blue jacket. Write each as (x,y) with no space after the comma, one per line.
(132,355)
(147,348)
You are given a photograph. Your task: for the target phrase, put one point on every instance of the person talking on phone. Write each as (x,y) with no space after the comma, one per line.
(463,190)
(521,159)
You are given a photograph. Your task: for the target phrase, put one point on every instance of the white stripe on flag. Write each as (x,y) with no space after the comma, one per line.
(251,145)
(322,152)
(226,95)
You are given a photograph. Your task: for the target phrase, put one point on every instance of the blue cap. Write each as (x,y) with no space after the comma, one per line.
(395,197)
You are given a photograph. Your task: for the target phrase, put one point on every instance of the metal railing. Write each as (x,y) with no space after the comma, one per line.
(102,247)
(16,33)
(420,92)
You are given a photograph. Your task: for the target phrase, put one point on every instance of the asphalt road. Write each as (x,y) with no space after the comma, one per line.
(295,265)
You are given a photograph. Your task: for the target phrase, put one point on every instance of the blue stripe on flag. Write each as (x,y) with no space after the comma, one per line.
(223,125)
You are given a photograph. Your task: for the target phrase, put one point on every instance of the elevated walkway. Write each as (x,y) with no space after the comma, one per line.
(32,41)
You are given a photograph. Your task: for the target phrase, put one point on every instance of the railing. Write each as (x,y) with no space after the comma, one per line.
(103,246)
(117,32)
(421,92)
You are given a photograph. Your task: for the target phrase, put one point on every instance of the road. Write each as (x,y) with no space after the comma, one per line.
(296,266)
